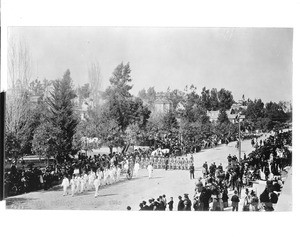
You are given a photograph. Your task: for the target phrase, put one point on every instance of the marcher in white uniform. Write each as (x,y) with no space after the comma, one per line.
(112,174)
(150,170)
(77,183)
(73,185)
(86,180)
(136,169)
(105,176)
(91,178)
(65,184)
(82,183)
(96,185)
(118,173)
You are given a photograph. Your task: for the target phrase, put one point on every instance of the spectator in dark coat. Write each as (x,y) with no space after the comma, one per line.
(180,206)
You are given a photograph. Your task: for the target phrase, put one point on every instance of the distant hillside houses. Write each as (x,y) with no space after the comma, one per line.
(231,113)
(162,104)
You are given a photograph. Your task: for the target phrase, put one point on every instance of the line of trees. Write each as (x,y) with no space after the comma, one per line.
(42,117)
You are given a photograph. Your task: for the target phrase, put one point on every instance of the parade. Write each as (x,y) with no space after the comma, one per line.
(218,187)
(112,141)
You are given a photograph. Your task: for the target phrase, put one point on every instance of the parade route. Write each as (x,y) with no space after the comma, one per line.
(125,193)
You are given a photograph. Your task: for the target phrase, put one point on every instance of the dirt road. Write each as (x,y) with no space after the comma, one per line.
(118,196)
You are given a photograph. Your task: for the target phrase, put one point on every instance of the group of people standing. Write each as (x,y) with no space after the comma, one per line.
(167,163)
(161,204)
(221,188)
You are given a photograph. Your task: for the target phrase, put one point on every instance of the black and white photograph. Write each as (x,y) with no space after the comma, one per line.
(149,118)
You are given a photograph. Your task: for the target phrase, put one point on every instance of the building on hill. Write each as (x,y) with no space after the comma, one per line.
(231,113)
(213,115)
(162,103)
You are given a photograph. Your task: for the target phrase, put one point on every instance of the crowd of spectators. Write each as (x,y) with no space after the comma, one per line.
(220,185)
(20,178)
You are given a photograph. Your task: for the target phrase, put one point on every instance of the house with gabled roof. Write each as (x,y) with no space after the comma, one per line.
(231,113)
(162,103)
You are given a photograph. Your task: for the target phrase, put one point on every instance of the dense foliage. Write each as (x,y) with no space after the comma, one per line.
(54,126)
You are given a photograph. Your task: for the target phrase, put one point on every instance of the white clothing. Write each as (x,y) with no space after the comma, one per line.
(73,186)
(82,184)
(96,185)
(118,173)
(136,169)
(91,178)
(150,171)
(65,184)
(77,183)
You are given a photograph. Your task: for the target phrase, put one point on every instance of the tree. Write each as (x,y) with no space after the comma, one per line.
(123,108)
(148,97)
(275,113)
(191,101)
(176,96)
(170,122)
(36,88)
(138,112)
(44,142)
(143,94)
(255,110)
(61,115)
(95,79)
(17,100)
(118,95)
(205,99)
(222,117)
(214,99)
(225,99)
(84,91)
(132,134)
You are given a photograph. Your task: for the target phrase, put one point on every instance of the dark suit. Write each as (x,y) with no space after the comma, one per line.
(180,206)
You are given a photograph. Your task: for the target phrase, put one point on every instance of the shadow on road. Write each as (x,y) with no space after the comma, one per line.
(156,178)
(107,195)
(12,203)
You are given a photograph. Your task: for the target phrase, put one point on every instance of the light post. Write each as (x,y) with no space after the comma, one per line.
(239,117)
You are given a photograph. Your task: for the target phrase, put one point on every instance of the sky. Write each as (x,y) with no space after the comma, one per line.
(255,62)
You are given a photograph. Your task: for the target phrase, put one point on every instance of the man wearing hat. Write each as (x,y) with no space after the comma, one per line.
(180,206)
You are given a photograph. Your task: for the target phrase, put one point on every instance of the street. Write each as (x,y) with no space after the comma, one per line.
(125,193)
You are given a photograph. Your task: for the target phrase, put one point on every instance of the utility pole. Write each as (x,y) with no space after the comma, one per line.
(239,117)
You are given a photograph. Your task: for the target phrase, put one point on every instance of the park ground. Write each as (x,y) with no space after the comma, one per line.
(125,193)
